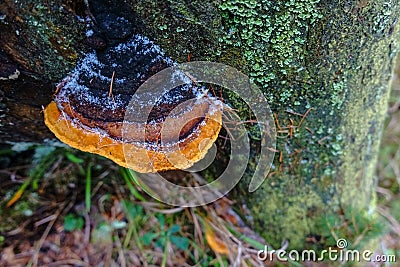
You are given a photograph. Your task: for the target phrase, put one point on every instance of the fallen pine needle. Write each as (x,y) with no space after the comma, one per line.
(19,193)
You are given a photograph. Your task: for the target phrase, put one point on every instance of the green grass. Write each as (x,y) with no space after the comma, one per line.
(103,203)
(388,171)
(100,194)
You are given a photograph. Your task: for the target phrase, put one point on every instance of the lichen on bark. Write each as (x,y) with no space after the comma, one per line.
(328,164)
(45,38)
(332,57)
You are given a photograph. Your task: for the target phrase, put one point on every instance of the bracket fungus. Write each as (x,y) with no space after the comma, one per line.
(90,106)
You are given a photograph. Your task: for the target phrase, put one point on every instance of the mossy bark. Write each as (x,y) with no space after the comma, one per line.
(331,58)
(41,41)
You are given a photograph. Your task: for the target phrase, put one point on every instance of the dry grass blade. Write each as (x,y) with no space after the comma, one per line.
(34,260)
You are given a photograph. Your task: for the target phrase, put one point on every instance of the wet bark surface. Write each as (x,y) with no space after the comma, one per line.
(21,103)
(40,44)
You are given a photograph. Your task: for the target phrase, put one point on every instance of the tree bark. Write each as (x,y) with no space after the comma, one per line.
(328,60)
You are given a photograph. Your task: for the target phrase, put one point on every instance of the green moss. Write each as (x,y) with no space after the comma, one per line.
(293,214)
(272,36)
(181,27)
(357,226)
(58,47)
(323,164)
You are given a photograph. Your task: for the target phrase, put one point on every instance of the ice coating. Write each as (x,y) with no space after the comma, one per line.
(92,69)
(92,72)
(89,33)
(90,108)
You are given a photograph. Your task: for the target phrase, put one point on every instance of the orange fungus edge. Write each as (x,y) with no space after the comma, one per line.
(141,159)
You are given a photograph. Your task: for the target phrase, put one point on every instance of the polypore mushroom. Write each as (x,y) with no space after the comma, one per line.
(89,107)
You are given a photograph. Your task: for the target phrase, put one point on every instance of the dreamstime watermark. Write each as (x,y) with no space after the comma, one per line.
(340,253)
(228,78)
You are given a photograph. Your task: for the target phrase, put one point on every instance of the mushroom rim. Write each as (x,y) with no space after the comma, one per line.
(149,161)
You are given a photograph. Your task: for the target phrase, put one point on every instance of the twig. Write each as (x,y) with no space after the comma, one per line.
(110,94)
(121,255)
(34,259)
(304,116)
(111,85)
(69,262)
(45,220)
(395,224)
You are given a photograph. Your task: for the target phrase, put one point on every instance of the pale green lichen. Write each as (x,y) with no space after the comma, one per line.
(338,95)
(57,48)
(329,163)
(180,27)
(271,35)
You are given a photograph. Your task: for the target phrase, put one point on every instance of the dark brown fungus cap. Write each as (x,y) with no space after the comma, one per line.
(88,114)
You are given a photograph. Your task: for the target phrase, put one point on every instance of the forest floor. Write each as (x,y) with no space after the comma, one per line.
(61,207)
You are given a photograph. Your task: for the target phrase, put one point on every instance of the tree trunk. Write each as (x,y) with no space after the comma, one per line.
(328,60)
